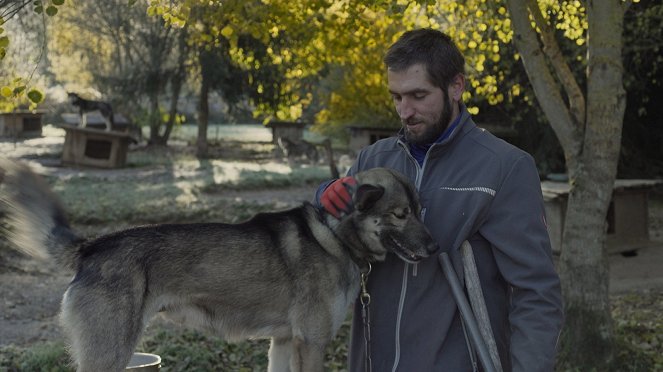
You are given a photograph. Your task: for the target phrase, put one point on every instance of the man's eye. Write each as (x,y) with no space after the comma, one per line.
(419,96)
(396,97)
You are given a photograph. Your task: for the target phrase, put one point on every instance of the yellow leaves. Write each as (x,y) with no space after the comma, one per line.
(174,14)
(16,93)
(6,92)
(473,110)
(570,17)
(515,90)
(227,32)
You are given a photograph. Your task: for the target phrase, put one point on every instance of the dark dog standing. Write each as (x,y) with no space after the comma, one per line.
(288,275)
(85,106)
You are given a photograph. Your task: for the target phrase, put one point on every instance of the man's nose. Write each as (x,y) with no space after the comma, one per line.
(405,110)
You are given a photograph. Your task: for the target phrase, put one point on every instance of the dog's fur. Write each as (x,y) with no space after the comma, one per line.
(85,106)
(288,275)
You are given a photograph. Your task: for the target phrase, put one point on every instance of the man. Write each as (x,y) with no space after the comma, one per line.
(472,187)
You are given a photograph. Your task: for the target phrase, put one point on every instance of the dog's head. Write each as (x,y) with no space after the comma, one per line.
(387,217)
(73,98)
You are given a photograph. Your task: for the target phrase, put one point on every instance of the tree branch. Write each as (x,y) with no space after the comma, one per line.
(547,90)
(9,8)
(562,70)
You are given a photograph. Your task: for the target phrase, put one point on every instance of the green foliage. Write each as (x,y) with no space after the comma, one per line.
(13,95)
(183,350)
(16,92)
(41,357)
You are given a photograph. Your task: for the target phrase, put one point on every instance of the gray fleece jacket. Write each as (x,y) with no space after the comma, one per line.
(476,187)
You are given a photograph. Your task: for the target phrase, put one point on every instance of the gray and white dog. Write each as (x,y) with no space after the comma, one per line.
(289,276)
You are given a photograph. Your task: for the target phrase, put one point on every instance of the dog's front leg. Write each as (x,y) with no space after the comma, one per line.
(307,357)
(280,353)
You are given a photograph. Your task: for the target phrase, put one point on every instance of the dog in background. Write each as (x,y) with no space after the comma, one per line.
(288,275)
(294,149)
(85,106)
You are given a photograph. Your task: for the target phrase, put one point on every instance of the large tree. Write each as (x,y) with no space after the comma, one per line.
(588,124)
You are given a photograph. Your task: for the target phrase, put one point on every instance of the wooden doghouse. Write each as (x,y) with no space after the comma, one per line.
(291,130)
(361,136)
(93,145)
(627,220)
(21,123)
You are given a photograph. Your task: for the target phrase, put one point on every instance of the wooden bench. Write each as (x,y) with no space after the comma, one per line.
(627,220)
(94,147)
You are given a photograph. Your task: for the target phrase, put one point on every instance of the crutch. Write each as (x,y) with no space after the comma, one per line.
(489,361)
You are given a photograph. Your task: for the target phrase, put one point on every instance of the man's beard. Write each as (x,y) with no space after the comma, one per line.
(431,133)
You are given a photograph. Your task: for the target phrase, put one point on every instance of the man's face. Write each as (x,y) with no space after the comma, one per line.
(424,111)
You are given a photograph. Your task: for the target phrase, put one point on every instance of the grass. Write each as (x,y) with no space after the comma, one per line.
(168,187)
(638,330)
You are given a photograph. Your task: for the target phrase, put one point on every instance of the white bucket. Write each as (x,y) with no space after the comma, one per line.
(144,362)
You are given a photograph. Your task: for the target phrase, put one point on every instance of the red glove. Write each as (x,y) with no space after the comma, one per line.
(337,197)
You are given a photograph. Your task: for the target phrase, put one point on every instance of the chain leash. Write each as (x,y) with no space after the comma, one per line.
(365,299)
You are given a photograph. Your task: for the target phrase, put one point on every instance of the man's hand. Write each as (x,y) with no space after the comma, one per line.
(337,198)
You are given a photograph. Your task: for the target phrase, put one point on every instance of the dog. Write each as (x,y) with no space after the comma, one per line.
(286,275)
(293,149)
(85,106)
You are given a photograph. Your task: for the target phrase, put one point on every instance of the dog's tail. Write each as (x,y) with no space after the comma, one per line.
(36,221)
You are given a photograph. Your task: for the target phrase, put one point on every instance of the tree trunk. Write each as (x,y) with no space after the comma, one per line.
(176,83)
(203,119)
(591,146)
(588,335)
(155,120)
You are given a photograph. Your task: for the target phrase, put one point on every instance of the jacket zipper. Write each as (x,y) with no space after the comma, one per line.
(406,268)
(401,302)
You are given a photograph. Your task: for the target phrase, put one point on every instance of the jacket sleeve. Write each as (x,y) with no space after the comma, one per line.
(516,228)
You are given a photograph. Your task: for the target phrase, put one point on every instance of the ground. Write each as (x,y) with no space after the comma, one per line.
(30,291)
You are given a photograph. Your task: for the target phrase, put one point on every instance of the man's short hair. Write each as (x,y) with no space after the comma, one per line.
(432,48)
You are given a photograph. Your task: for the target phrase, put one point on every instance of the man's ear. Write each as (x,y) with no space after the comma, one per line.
(457,87)
(367,195)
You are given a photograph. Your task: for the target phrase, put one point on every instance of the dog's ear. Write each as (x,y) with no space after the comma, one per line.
(367,195)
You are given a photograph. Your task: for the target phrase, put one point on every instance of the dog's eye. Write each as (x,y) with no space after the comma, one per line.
(402,213)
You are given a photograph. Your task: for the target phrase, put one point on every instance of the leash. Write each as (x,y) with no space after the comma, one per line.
(365,299)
